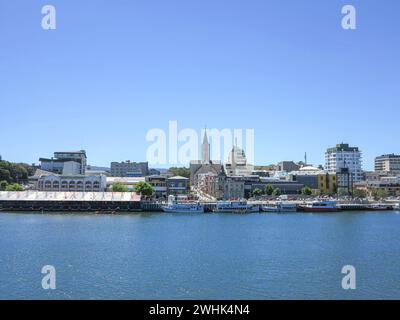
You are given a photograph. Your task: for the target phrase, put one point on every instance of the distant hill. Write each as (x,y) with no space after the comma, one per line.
(97,168)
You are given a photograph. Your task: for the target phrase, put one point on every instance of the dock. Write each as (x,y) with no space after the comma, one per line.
(70,201)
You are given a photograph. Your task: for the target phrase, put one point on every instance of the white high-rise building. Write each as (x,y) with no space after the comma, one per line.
(344,157)
(388,163)
(237,163)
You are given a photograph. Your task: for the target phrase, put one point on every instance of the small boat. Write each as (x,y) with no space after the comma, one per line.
(240,207)
(397,207)
(379,207)
(320,206)
(183,207)
(280,207)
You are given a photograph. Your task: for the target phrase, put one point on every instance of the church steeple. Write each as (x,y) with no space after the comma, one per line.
(205,149)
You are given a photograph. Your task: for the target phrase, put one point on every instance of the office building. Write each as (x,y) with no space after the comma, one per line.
(74,161)
(237,163)
(159,183)
(389,163)
(178,186)
(344,157)
(129,169)
(320,181)
(288,166)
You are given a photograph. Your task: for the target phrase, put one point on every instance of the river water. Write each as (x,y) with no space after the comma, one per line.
(224,256)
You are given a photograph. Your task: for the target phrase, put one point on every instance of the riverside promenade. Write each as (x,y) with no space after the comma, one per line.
(113,202)
(69,201)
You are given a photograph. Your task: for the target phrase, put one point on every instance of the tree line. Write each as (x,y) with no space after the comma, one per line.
(12,175)
(270,190)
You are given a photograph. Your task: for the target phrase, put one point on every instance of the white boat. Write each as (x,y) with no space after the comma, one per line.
(397,207)
(182,207)
(379,207)
(235,207)
(280,207)
(320,206)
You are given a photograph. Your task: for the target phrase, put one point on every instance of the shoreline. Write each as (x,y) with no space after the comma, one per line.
(119,202)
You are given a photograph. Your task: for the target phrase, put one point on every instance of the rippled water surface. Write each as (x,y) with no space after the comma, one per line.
(160,256)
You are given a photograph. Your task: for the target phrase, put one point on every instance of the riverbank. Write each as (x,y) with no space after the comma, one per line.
(114,202)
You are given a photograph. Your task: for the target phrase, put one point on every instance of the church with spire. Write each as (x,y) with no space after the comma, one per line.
(205,164)
(205,149)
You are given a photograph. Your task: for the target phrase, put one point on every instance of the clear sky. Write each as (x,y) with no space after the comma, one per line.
(112,70)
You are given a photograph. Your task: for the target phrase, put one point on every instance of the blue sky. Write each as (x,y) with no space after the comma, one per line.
(112,70)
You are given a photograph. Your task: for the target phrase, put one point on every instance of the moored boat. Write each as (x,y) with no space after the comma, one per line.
(320,206)
(379,207)
(280,207)
(235,207)
(182,207)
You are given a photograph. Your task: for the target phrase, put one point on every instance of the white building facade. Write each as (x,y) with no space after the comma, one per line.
(237,163)
(388,163)
(344,157)
(77,183)
(73,160)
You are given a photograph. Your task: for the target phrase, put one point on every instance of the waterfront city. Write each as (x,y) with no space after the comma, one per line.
(65,182)
(194,156)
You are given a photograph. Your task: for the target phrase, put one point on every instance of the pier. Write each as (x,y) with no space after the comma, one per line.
(70,201)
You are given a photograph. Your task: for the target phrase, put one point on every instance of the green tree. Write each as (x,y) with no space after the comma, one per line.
(182,171)
(268,189)
(144,189)
(29,169)
(257,192)
(18,172)
(306,191)
(14,187)
(5,174)
(14,172)
(379,193)
(119,187)
(277,192)
(343,192)
(360,193)
(3,185)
